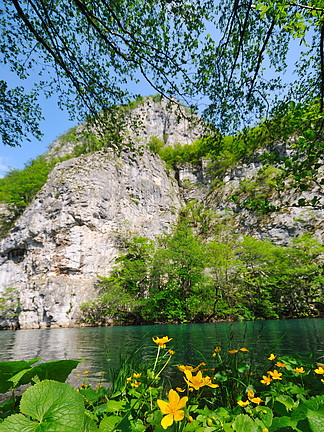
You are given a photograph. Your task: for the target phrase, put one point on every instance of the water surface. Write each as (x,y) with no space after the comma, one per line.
(100,347)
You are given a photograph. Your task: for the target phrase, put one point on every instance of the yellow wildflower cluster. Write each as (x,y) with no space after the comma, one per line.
(234,351)
(251,398)
(161,342)
(183,368)
(216,350)
(134,383)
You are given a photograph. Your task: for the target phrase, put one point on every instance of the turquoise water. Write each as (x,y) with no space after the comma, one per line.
(100,347)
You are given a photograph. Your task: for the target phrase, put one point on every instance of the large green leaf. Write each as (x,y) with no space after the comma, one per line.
(18,423)
(57,370)
(108,424)
(116,406)
(282,422)
(9,369)
(89,425)
(244,423)
(316,420)
(51,406)
(265,414)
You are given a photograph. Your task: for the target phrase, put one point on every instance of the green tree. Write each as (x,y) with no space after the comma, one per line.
(89,52)
(19,187)
(125,291)
(241,70)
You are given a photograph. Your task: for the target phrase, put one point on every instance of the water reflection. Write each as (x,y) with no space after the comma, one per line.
(100,347)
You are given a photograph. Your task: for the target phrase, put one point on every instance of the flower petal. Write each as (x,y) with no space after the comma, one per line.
(167,421)
(178,415)
(164,406)
(173,396)
(182,402)
(188,374)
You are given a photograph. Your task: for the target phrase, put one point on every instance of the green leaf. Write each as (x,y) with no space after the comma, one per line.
(287,401)
(89,425)
(316,420)
(108,424)
(138,426)
(281,422)
(113,406)
(18,423)
(50,406)
(57,370)
(244,423)
(265,414)
(10,369)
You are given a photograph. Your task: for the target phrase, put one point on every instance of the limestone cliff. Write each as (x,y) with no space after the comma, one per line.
(69,234)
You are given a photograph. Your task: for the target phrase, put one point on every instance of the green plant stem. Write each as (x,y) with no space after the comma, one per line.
(163,366)
(156,359)
(13,398)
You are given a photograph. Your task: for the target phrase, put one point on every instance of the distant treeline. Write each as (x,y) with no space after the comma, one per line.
(190,277)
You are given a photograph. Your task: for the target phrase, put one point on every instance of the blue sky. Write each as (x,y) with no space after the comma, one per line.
(56,122)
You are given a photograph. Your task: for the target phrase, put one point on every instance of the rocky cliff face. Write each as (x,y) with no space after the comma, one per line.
(69,234)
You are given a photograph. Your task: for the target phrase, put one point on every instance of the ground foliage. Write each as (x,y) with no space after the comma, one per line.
(230,393)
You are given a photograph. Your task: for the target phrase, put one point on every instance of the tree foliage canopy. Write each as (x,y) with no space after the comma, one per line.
(89,52)
(230,55)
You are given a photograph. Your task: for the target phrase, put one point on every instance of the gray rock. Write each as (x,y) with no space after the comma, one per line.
(70,233)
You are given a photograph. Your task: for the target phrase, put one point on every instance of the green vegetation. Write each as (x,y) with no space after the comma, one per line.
(209,273)
(232,393)
(19,187)
(223,152)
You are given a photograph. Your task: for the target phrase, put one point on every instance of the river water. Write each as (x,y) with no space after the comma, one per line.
(192,343)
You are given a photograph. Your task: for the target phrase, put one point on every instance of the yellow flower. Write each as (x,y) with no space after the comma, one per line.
(319,371)
(180,390)
(272,357)
(280,364)
(129,379)
(136,375)
(256,400)
(322,381)
(86,372)
(183,368)
(216,350)
(135,384)
(233,351)
(198,380)
(161,341)
(172,409)
(171,352)
(244,350)
(266,380)
(275,375)
(243,404)
(250,394)
(299,369)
